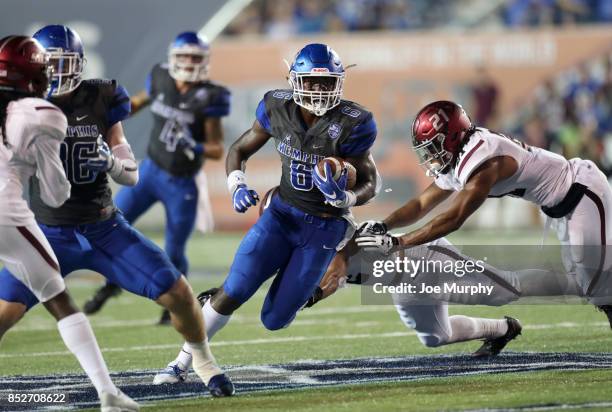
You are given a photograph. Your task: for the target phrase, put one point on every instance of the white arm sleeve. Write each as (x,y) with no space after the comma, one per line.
(124,169)
(54,186)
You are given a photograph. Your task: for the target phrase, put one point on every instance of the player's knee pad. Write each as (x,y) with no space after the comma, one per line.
(431,340)
(275,321)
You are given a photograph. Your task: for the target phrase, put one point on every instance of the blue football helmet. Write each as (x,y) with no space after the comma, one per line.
(65,56)
(317,78)
(188,58)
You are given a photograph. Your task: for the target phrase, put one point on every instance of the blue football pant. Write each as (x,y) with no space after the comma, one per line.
(112,248)
(179,195)
(295,244)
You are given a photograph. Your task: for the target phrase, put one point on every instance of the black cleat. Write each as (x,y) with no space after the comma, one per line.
(492,347)
(165,318)
(99,299)
(607,309)
(221,386)
(207,294)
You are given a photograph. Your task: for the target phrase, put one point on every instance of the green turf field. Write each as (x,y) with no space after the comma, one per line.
(339,328)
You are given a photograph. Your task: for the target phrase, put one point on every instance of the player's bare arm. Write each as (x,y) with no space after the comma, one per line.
(415,209)
(213,147)
(248,144)
(140,101)
(365,188)
(465,203)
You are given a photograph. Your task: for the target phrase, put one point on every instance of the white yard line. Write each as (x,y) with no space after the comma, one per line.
(306,318)
(287,339)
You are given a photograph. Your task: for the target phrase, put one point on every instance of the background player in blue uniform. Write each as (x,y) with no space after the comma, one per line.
(87,231)
(297,235)
(187,110)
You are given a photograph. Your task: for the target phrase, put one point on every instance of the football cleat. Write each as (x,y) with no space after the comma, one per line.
(607,309)
(173,373)
(492,347)
(207,294)
(99,299)
(165,318)
(220,386)
(118,402)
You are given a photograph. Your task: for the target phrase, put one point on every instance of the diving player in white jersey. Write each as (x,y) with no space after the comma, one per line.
(32,130)
(478,163)
(427,312)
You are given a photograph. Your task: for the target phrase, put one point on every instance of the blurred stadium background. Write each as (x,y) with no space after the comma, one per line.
(540,69)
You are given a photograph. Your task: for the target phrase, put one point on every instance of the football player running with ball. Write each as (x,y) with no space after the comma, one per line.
(187,109)
(479,163)
(31,133)
(308,219)
(87,231)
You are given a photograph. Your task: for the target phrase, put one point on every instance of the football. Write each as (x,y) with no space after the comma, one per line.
(337,164)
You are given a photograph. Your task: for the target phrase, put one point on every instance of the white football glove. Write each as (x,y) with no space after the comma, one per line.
(105,159)
(384,244)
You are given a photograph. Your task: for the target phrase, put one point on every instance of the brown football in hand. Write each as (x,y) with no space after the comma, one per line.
(336,165)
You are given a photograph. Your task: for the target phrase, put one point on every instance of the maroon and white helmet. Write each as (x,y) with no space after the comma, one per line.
(437,133)
(24,66)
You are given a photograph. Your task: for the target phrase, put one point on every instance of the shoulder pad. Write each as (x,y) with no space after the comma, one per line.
(117,103)
(280,94)
(478,150)
(38,115)
(106,87)
(353,110)
(218,99)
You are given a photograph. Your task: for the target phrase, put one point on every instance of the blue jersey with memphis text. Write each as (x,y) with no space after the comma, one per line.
(181,116)
(92,109)
(347,130)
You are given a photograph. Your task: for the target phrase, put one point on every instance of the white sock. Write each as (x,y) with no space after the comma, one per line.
(213,322)
(204,363)
(465,328)
(81,341)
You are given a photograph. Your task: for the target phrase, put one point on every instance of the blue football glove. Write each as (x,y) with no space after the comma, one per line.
(243,198)
(189,146)
(335,192)
(105,158)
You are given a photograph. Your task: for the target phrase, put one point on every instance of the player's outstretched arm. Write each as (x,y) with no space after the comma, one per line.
(415,209)
(248,144)
(139,101)
(468,200)
(365,188)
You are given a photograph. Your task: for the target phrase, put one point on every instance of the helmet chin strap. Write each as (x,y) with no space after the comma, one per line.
(52,87)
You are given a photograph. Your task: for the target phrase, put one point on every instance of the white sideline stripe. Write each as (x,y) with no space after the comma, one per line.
(289,339)
(537,408)
(245,320)
(301,321)
(228,343)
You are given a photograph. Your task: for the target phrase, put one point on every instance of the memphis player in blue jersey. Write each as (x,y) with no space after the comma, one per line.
(297,236)
(87,231)
(187,109)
